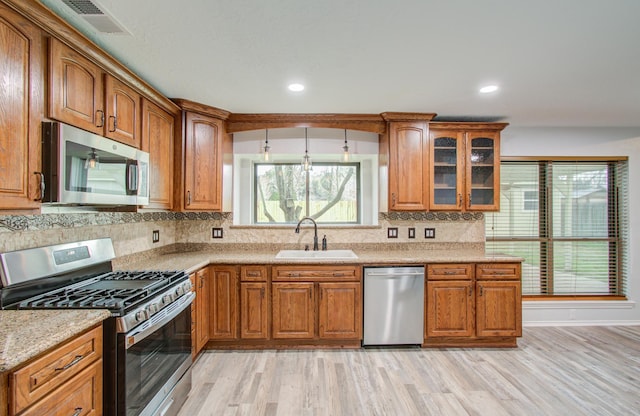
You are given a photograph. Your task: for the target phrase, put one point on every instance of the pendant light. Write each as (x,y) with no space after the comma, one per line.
(306,160)
(92,162)
(345,148)
(266,145)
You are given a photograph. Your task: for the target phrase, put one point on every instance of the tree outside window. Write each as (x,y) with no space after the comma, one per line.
(285,193)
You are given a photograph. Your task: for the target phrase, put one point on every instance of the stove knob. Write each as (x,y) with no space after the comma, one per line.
(166,299)
(186,287)
(179,291)
(152,308)
(141,315)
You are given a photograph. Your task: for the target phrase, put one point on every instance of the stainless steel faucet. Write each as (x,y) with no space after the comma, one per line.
(315,231)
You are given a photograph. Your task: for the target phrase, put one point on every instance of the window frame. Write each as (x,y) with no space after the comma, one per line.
(617,239)
(359,196)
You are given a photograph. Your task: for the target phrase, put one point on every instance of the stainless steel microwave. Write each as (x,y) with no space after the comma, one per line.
(86,169)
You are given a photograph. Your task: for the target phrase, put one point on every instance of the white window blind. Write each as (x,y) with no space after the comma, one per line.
(573,238)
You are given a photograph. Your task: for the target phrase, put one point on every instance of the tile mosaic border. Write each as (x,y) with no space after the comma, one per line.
(431,216)
(50,221)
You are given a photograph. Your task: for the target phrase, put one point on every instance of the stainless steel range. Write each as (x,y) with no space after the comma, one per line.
(147,340)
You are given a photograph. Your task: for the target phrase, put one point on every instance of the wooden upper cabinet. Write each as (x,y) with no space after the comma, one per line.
(76,89)
(408,166)
(21,110)
(122,112)
(465,166)
(202,162)
(483,171)
(81,94)
(158,128)
(446,150)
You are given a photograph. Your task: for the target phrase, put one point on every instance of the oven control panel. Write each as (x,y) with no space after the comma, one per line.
(146,310)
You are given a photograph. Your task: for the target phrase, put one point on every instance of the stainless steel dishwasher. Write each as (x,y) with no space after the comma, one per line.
(393,305)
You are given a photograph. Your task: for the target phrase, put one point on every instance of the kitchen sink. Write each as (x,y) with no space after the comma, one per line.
(326,254)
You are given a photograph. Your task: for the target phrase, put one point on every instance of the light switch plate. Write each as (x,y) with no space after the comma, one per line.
(412,232)
(392,232)
(216,232)
(155,236)
(429,233)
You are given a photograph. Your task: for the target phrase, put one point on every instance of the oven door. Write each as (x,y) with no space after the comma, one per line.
(155,358)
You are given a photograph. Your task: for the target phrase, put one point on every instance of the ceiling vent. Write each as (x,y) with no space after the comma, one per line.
(89,11)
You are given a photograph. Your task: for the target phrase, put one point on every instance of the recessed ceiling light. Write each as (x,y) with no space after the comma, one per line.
(296,87)
(488,89)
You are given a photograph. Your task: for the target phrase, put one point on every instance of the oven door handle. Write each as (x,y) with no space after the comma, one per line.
(134,337)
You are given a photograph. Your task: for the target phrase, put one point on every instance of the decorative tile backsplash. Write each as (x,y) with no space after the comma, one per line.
(131,232)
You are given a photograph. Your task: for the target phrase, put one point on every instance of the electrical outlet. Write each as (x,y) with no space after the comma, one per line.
(429,233)
(412,232)
(216,232)
(155,236)
(392,232)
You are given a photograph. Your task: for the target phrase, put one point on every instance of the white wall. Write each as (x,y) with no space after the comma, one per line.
(585,142)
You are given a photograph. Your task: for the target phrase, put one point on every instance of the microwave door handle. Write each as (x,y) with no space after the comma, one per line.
(132,177)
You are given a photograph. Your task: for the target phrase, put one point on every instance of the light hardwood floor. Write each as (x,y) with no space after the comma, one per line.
(554,371)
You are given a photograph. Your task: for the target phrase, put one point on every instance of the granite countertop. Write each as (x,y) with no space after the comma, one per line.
(25,334)
(191,261)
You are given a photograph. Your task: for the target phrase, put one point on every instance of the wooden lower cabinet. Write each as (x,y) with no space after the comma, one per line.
(480,306)
(223,303)
(450,309)
(293,310)
(339,310)
(202,308)
(254,310)
(65,381)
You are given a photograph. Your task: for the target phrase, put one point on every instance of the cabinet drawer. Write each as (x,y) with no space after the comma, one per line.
(42,376)
(82,395)
(253,273)
(499,271)
(315,273)
(460,271)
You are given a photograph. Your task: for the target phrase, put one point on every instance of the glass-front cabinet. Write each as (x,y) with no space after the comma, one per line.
(483,171)
(447,152)
(464,166)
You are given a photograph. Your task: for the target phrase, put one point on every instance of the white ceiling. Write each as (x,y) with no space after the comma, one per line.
(557,62)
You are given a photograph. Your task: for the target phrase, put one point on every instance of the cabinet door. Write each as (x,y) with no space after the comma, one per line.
(194,316)
(340,310)
(21,110)
(450,309)
(483,171)
(76,90)
(122,110)
(203,163)
(499,309)
(81,395)
(202,308)
(223,303)
(447,170)
(157,139)
(408,170)
(254,311)
(293,310)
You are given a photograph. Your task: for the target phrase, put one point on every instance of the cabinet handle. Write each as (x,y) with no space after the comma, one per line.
(469,199)
(42,186)
(115,123)
(481,291)
(100,113)
(470,291)
(262,292)
(338,274)
(253,274)
(188,197)
(393,199)
(75,361)
(78,411)
(201,282)
(449,272)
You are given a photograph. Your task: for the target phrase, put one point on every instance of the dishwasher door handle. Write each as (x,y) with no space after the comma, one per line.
(393,275)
